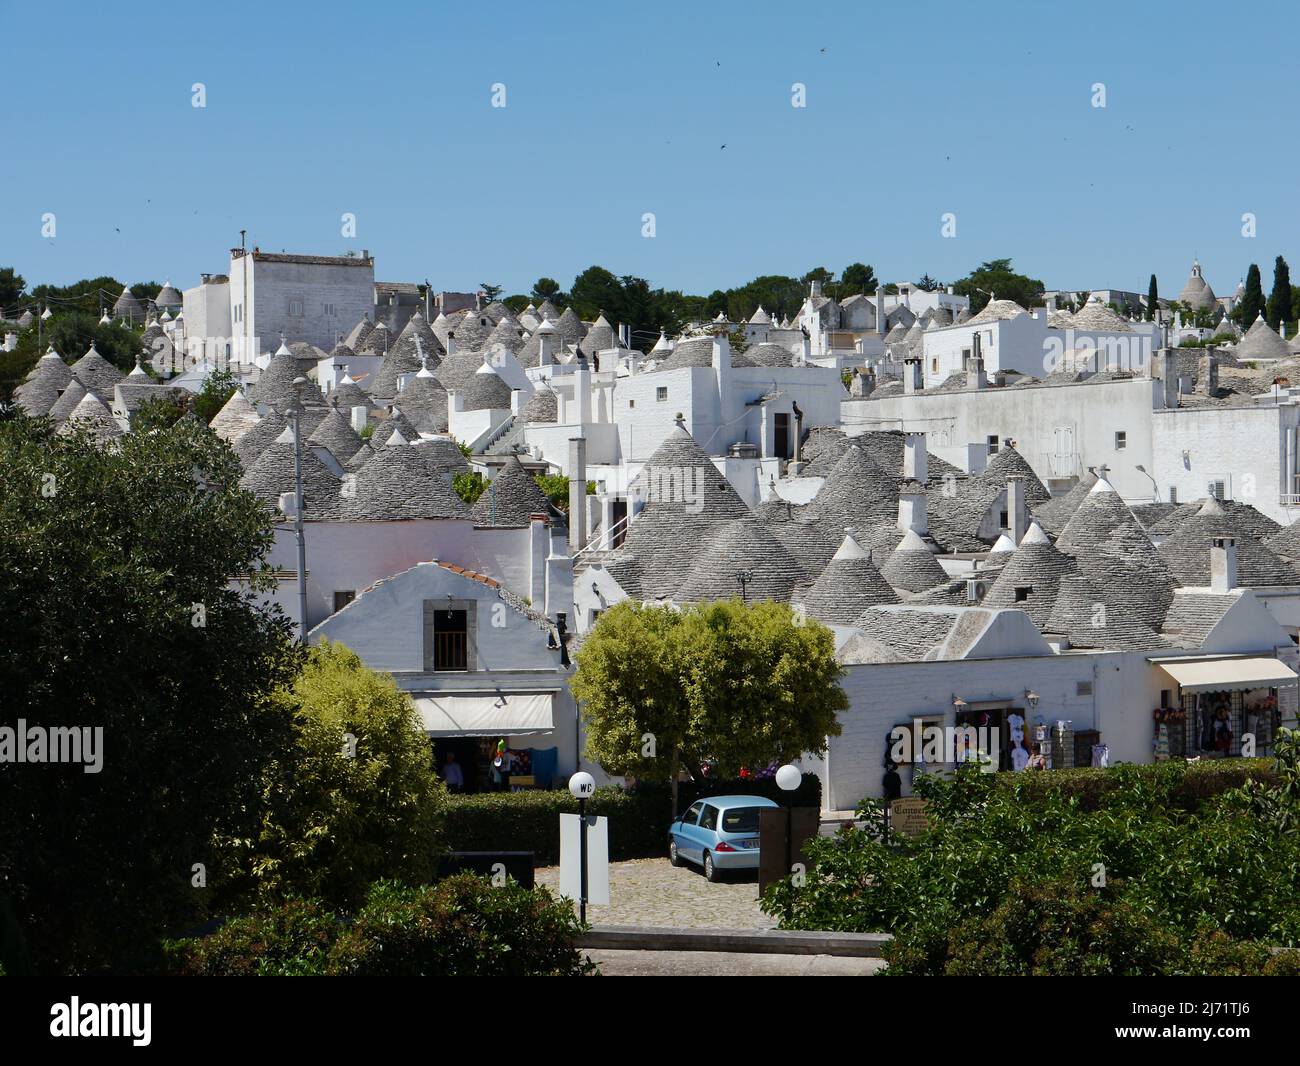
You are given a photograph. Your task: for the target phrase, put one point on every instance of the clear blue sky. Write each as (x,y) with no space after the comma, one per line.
(614,109)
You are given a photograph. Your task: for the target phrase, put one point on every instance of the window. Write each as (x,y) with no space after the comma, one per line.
(1121,441)
(1083,688)
(295,309)
(1023,592)
(450,640)
(709,817)
(993,445)
(239,312)
(934,366)
(661,393)
(1173,494)
(342,597)
(693,815)
(631,403)
(965,358)
(329,310)
(1215,489)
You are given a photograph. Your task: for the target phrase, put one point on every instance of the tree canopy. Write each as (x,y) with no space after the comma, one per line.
(999,278)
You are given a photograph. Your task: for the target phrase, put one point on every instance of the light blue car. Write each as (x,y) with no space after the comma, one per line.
(719,834)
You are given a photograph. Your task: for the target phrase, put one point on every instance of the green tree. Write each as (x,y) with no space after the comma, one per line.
(856,278)
(928,284)
(1153,299)
(732,684)
(469,486)
(1279,300)
(356,799)
(998,277)
(596,290)
(546,289)
(1252,300)
(12,287)
(490,292)
(217,388)
(119,614)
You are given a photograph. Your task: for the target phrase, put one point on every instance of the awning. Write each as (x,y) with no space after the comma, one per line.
(506,714)
(1228,675)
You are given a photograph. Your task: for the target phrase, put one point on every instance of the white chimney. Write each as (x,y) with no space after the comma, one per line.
(1223,564)
(577,493)
(358,416)
(916,461)
(1017,509)
(911,510)
(912,380)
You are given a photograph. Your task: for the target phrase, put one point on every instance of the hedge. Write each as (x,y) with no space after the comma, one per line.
(638,817)
(1189,783)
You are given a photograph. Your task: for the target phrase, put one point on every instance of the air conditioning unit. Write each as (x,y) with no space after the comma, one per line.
(976,589)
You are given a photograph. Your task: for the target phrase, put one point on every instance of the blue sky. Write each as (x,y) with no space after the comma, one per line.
(614,110)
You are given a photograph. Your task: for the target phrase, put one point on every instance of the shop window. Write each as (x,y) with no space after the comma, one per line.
(342,597)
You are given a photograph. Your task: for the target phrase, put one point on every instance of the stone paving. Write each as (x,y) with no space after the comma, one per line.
(653,892)
(728,964)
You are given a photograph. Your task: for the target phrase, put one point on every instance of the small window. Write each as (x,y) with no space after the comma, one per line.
(295,308)
(1083,688)
(993,445)
(450,640)
(1173,494)
(934,366)
(342,597)
(1215,489)
(631,403)
(965,358)
(1023,592)
(709,817)
(661,393)
(329,310)
(1121,441)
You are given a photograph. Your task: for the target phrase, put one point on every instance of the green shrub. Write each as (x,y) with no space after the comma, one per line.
(461,926)
(1185,785)
(289,939)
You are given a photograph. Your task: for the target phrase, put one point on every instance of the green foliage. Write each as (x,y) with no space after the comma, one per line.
(1279,300)
(490,291)
(218,387)
(355,800)
(12,287)
(161,412)
(556,487)
(1177,846)
(469,486)
(547,289)
(119,614)
(71,333)
(732,684)
(367,431)
(460,927)
(1251,305)
(999,278)
(1153,299)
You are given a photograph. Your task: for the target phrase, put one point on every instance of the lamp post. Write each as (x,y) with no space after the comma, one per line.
(582,785)
(295,410)
(744,576)
(788,778)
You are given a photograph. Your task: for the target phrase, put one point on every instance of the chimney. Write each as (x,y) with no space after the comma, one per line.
(880,311)
(451,344)
(975,376)
(577,493)
(1223,564)
(516,402)
(539,542)
(1051,302)
(359,417)
(916,461)
(1207,376)
(862,384)
(1017,510)
(815,290)
(912,381)
(911,509)
(582,390)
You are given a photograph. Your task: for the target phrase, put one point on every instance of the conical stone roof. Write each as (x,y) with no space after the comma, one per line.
(1187,552)
(272,474)
(424,402)
(336,433)
(40,390)
(1054,513)
(542,406)
(1114,552)
(1087,619)
(401,481)
(511,498)
(1197,291)
(395,422)
(848,585)
(236,417)
(97,374)
(1261,342)
(347,394)
(856,490)
(472,332)
(1242,517)
(92,416)
(768,354)
(742,546)
(1031,577)
(912,566)
(254,441)
(68,400)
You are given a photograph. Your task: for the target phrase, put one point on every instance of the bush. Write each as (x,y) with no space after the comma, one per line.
(638,818)
(342,813)
(461,926)
(1185,785)
(1224,863)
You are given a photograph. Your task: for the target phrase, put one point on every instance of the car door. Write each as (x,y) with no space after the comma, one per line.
(688,834)
(707,829)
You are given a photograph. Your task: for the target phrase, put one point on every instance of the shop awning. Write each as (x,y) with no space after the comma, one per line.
(1228,675)
(505,715)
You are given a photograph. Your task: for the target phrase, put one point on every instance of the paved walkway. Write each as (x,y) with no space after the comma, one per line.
(727,964)
(652,892)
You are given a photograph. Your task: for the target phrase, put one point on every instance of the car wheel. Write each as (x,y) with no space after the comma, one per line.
(711,872)
(673,858)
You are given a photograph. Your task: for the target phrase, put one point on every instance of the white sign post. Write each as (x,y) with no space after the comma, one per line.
(584,850)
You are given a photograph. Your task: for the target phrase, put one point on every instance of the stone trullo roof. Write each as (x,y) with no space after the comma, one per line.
(395,422)
(767,354)
(997,311)
(1096,317)
(1088,619)
(403,481)
(1261,342)
(542,406)
(1242,517)
(336,434)
(254,441)
(396,363)
(127,305)
(1197,291)
(742,546)
(358,334)
(92,416)
(236,417)
(274,386)
(272,474)
(1031,577)
(507,334)
(40,389)
(486,390)
(685,498)
(97,374)
(347,394)
(418,339)
(856,490)
(912,567)
(68,400)
(472,332)
(1114,552)
(424,402)
(1187,552)
(511,498)
(848,585)
(811,543)
(1054,513)
(364,454)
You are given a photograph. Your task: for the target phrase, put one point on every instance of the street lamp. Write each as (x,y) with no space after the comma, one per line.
(581,786)
(788,778)
(295,411)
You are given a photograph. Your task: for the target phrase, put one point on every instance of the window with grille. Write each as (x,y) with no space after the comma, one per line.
(342,597)
(451,640)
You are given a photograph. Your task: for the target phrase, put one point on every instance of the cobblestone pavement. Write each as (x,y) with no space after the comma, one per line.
(652,892)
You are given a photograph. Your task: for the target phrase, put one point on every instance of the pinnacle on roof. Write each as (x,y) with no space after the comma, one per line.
(1197,291)
(92,416)
(96,373)
(1056,512)
(40,389)
(997,310)
(67,402)
(1261,342)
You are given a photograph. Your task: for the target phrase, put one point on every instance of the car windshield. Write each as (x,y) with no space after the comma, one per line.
(740,820)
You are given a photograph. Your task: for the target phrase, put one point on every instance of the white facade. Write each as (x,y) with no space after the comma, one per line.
(207,333)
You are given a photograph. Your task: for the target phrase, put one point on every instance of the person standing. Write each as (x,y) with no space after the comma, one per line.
(452,774)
